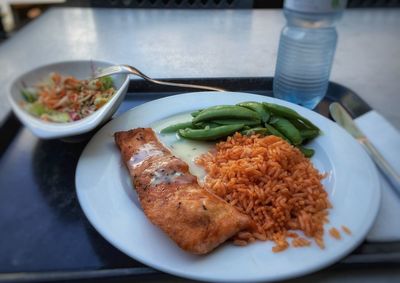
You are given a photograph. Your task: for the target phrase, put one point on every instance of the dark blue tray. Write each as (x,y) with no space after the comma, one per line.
(46,236)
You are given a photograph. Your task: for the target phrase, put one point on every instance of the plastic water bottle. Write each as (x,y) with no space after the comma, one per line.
(306,50)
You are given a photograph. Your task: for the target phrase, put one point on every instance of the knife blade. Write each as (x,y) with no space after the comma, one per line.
(343,118)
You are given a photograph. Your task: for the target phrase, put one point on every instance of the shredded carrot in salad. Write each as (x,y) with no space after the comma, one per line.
(65,98)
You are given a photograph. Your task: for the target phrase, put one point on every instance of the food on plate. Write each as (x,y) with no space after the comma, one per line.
(298,242)
(249,118)
(207,134)
(259,169)
(196,219)
(65,99)
(225,111)
(335,233)
(346,230)
(270,180)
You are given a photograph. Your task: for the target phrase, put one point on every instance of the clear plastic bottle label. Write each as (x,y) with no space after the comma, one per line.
(316,6)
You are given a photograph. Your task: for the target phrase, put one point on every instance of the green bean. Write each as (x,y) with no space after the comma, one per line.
(226,111)
(287,129)
(258,107)
(305,132)
(237,121)
(254,131)
(298,124)
(210,133)
(286,112)
(205,124)
(195,113)
(275,132)
(308,152)
(309,134)
(273,120)
(175,127)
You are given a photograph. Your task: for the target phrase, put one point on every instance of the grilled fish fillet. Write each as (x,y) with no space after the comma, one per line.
(197,220)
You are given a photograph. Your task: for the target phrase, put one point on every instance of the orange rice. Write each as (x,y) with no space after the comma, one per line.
(300,242)
(335,233)
(346,230)
(272,182)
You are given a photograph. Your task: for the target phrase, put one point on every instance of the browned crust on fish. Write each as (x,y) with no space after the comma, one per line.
(197,220)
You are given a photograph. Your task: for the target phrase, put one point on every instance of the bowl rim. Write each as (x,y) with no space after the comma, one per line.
(47,130)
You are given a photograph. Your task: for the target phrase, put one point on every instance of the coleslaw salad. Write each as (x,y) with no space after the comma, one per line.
(65,99)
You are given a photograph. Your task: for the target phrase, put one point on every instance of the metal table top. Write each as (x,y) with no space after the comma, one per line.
(206,43)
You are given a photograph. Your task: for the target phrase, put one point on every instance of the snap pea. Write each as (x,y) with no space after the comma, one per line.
(309,134)
(273,119)
(254,131)
(258,107)
(305,132)
(210,133)
(195,113)
(287,129)
(308,152)
(226,111)
(205,124)
(236,121)
(286,112)
(298,124)
(175,127)
(275,132)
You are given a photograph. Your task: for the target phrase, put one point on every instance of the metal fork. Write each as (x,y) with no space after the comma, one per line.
(126,69)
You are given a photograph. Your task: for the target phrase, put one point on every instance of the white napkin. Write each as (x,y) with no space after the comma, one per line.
(387,140)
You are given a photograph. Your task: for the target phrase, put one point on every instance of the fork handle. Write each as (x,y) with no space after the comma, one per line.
(186,85)
(126,69)
(135,71)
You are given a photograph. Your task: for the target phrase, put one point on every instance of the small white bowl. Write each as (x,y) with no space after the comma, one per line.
(80,70)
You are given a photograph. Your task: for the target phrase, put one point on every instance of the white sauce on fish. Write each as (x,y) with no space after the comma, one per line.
(163,174)
(162,178)
(145,151)
(187,150)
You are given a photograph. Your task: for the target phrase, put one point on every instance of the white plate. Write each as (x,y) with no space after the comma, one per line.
(109,202)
